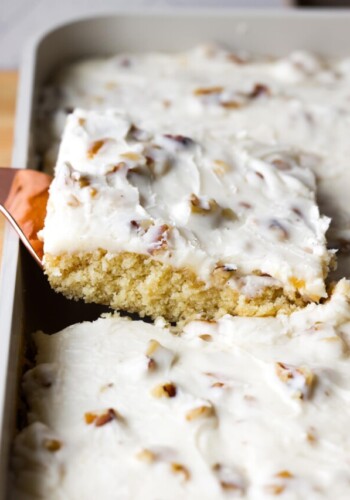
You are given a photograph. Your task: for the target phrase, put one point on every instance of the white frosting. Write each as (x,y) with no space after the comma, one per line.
(197,203)
(261,409)
(306,106)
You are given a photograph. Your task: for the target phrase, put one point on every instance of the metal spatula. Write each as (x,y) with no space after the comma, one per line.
(23,199)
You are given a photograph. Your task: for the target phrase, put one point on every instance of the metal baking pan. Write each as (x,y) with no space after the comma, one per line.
(26,301)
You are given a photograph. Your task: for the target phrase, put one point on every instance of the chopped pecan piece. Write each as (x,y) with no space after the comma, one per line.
(180,139)
(100,419)
(311,435)
(167,390)
(138,134)
(229,479)
(235,58)
(159,238)
(83,181)
(279,230)
(52,445)
(142,225)
(73,201)
(229,214)
(206,337)
(202,205)
(159,356)
(95,147)
(299,380)
(116,168)
(153,345)
(151,365)
(130,155)
(231,104)
(221,167)
(281,164)
(204,411)
(90,417)
(217,385)
(146,455)
(106,417)
(296,282)
(246,205)
(222,273)
(180,469)
(275,489)
(208,90)
(285,474)
(258,90)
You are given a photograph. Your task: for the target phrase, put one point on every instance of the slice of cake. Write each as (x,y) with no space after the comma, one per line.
(167,225)
(239,408)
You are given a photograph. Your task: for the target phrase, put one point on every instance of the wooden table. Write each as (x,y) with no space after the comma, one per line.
(8,88)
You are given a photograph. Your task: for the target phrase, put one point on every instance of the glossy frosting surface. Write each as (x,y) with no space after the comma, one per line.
(302,101)
(230,409)
(198,203)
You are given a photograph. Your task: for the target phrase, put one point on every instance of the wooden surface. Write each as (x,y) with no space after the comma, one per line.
(8,88)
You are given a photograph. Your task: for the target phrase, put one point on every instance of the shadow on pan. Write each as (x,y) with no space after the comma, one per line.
(323,3)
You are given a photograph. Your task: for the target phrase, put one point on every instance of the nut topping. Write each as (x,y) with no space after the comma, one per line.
(285,474)
(167,390)
(130,155)
(217,385)
(204,411)
(180,139)
(231,104)
(275,489)
(221,167)
(52,445)
(159,357)
(73,201)
(281,164)
(153,345)
(83,181)
(235,58)
(228,213)
(206,337)
(299,380)
(159,238)
(258,90)
(142,226)
(95,147)
(296,282)
(146,455)
(180,469)
(138,134)
(279,230)
(202,205)
(230,479)
(103,418)
(106,417)
(208,90)
(116,168)
(222,273)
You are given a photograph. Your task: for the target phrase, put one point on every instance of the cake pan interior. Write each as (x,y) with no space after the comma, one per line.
(276,33)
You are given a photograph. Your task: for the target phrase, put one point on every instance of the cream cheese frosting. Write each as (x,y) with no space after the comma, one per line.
(195,203)
(237,408)
(301,100)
